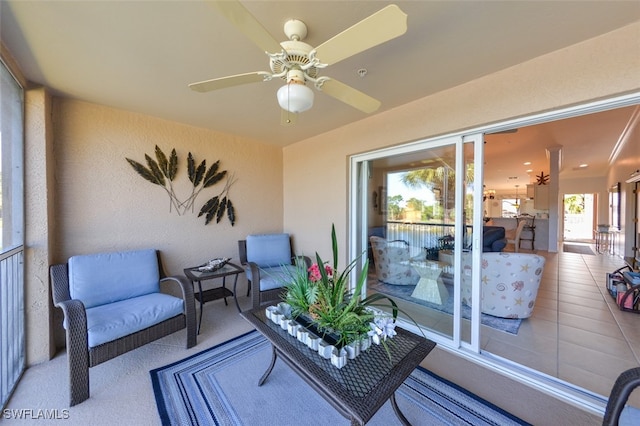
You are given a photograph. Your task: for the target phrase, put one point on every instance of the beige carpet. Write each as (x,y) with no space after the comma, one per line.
(121,391)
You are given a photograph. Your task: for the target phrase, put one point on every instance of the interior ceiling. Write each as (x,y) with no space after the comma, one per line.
(141,55)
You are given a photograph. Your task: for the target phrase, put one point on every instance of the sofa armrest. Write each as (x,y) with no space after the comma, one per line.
(75,317)
(189,306)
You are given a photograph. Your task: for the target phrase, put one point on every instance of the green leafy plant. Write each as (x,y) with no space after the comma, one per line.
(162,171)
(323,294)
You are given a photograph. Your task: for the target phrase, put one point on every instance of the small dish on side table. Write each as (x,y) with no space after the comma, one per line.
(214,264)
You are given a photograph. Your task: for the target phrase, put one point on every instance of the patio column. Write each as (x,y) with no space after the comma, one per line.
(554,154)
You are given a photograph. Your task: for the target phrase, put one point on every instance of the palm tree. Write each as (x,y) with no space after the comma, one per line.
(393,206)
(441,179)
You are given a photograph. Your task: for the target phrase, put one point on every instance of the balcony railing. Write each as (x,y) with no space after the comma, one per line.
(12,346)
(424,235)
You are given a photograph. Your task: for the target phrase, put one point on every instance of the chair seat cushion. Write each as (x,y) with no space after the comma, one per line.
(114,320)
(98,279)
(276,277)
(629,416)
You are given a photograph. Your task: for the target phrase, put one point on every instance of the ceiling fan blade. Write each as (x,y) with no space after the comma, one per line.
(240,17)
(386,24)
(350,96)
(288,118)
(230,81)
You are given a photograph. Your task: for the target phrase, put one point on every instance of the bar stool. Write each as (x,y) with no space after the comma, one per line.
(528,234)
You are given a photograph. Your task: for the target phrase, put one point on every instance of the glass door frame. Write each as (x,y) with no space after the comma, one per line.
(360,197)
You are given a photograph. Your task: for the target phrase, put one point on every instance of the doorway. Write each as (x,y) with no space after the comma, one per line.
(578,217)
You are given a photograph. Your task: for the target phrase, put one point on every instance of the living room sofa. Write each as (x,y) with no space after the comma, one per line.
(493,238)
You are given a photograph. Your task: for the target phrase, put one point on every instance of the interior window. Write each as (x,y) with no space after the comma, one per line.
(510,207)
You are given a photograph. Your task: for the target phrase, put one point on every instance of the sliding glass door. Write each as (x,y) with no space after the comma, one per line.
(429,196)
(414,213)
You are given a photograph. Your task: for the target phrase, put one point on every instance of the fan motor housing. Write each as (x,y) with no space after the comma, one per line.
(297,57)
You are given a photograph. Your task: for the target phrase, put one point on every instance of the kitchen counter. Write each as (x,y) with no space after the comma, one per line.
(541,241)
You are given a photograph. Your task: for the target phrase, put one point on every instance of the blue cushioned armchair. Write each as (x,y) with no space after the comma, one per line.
(112,303)
(268,261)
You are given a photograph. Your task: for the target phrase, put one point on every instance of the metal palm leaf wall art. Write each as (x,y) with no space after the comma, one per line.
(162,171)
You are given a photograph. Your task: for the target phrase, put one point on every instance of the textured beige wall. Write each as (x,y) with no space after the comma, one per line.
(316,191)
(103,204)
(39,224)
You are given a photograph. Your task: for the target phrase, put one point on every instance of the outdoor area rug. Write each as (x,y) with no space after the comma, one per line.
(404,292)
(219,386)
(577,248)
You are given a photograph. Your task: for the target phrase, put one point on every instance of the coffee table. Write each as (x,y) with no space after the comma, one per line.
(363,385)
(195,275)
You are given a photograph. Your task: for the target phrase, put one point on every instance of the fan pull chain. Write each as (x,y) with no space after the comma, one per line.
(288,107)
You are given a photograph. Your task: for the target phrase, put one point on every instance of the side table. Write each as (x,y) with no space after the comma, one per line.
(430,287)
(194,274)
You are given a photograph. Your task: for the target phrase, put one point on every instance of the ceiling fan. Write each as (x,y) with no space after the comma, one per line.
(298,63)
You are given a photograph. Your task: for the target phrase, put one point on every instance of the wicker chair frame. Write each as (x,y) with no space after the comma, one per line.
(80,357)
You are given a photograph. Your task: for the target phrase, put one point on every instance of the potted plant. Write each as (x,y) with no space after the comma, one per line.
(320,299)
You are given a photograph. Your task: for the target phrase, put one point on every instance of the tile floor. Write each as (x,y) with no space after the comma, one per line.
(576,334)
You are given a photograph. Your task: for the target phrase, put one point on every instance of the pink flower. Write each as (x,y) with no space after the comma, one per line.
(314,272)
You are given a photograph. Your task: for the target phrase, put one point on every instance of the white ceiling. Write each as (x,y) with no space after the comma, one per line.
(141,55)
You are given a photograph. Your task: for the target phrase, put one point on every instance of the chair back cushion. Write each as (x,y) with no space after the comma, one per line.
(510,283)
(268,250)
(98,279)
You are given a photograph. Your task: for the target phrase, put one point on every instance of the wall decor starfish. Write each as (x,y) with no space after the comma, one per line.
(542,178)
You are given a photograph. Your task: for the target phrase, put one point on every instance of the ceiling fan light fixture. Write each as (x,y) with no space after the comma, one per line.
(295,96)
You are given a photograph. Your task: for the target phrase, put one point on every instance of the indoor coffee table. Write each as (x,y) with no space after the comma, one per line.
(194,274)
(363,385)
